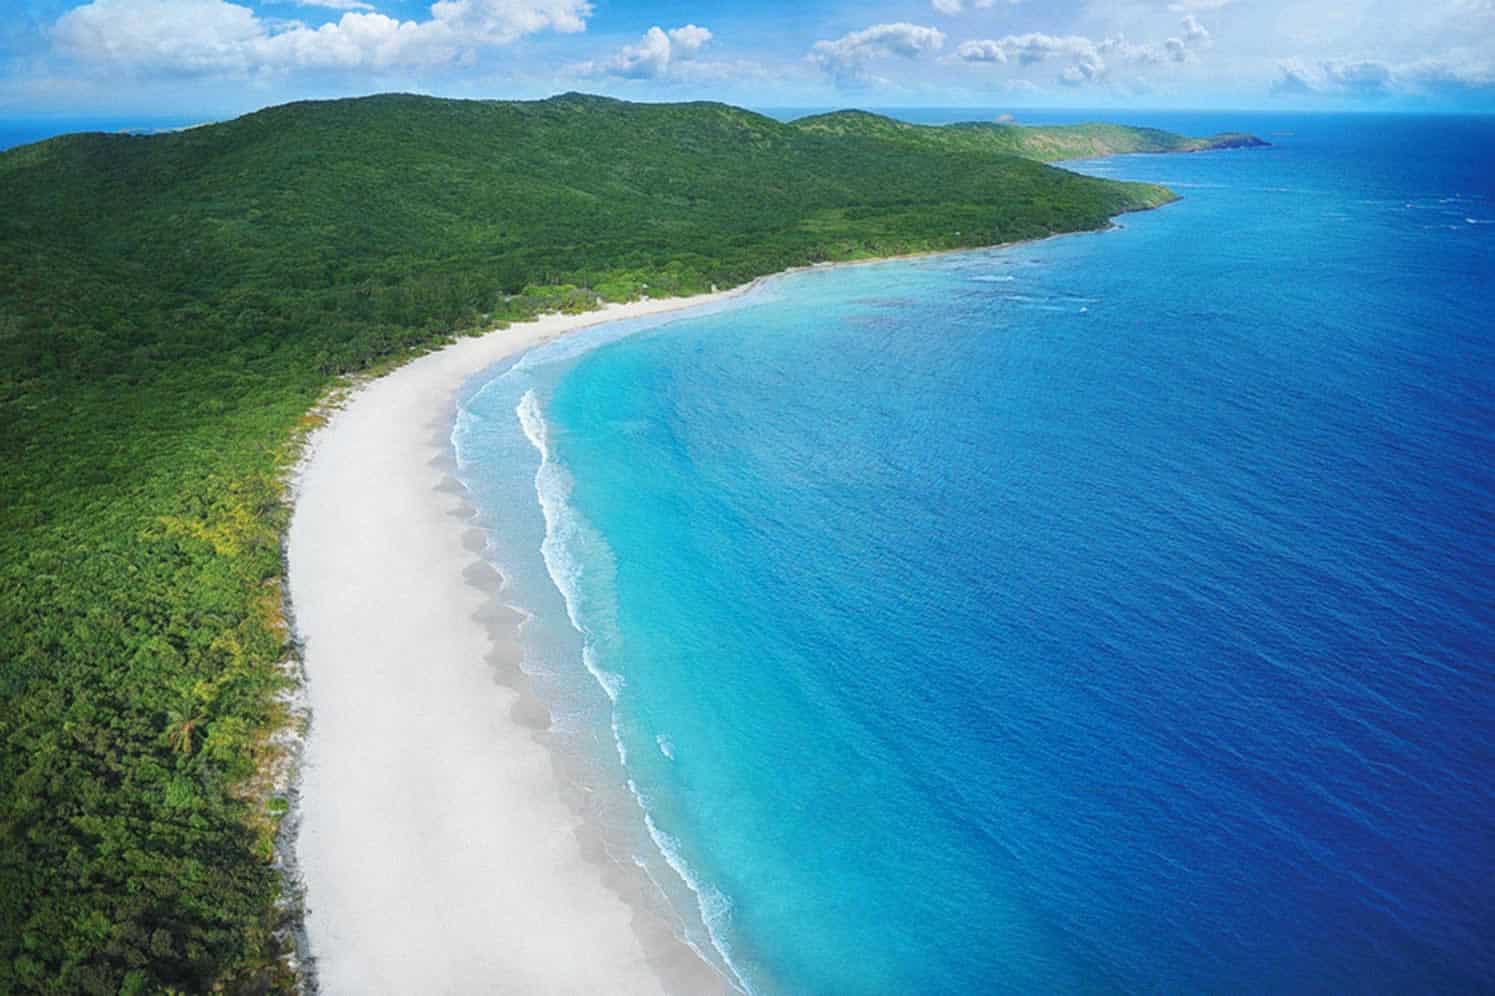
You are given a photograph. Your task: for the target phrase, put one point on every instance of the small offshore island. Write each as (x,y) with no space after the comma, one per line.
(178,311)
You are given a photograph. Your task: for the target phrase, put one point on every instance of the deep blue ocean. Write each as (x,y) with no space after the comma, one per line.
(1114,613)
(25,130)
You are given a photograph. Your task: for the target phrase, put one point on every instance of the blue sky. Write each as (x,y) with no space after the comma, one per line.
(217,57)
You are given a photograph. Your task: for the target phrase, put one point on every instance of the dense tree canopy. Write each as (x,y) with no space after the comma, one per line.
(1047,143)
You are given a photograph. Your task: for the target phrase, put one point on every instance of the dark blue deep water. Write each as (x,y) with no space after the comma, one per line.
(1111,614)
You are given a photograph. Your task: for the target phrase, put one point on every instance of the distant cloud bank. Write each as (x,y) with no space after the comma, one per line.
(1079,52)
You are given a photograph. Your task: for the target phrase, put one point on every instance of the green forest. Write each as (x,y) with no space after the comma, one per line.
(1046,143)
(172,308)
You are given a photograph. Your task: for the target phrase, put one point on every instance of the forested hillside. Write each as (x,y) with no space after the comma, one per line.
(172,306)
(1047,143)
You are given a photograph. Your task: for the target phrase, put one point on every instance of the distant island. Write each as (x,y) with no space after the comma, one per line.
(174,306)
(1046,143)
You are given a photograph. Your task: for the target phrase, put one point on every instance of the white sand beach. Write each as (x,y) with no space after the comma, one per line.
(437,851)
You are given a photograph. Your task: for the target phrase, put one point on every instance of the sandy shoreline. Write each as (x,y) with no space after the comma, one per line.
(436,849)
(437,846)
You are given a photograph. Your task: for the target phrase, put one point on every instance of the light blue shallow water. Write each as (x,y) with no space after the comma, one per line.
(24,131)
(1113,613)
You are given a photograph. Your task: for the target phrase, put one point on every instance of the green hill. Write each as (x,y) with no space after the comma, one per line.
(171,306)
(1046,143)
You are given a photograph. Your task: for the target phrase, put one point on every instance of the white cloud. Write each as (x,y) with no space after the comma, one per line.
(336,4)
(1195,37)
(1034,47)
(688,40)
(214,37)
(981,51)
(1088,61)
(956,6)
(1438,51)
(186,36)
(1081,72)
(1027,49)
(656,55)
(649,58)
(1118,49)
(846,58)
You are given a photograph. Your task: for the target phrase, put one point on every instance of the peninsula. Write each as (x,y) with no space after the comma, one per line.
(172,308)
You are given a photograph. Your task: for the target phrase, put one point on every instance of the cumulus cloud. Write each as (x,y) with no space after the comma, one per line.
(653,56)
(215,37)
(1087,60)
(1081,72)
(1118,49)
(1034,47)
(956,6)
(689,40)
(647,59)
(336,4)
(1195,37)
(186,36)
(981,51)
(847,57)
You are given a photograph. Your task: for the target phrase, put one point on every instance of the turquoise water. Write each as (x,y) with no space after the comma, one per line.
(1112,613)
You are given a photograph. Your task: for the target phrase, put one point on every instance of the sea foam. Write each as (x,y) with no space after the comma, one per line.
(581,565)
